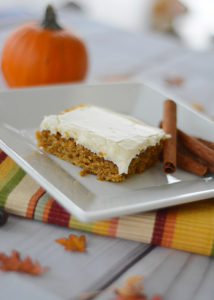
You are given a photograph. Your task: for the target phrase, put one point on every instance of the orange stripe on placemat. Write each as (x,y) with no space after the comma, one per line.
(2,156)
(112,229)
(32,203)
(159,227)
(169,227)
(58,215)
(47,209)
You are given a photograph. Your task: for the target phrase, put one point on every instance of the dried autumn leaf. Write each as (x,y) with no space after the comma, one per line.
(14,263)
(136,297)
(132,290)
(73,243)
(62,241)
(197,106)
(132,286)
(177,80)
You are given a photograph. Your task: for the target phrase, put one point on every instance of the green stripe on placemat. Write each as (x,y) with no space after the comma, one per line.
(10,182)
(40,207)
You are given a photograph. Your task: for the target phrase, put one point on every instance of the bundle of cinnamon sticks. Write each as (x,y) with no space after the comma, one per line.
(189,153)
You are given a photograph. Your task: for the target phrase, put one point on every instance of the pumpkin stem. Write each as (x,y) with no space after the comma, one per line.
(49,21)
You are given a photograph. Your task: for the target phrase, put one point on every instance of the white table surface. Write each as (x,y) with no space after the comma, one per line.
(107,261)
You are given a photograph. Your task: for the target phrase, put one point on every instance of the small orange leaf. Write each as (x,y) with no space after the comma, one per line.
(132,290)
(177,80)
(62,241)
(132,286)
(136,297)
(73,243)
(27,265)
(15,254)
(14,263)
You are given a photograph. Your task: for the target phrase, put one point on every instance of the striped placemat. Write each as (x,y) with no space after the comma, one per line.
(187,227)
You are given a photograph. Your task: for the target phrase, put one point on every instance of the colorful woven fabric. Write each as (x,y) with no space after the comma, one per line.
(187,227)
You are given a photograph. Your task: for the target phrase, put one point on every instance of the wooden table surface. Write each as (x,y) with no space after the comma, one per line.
(115,55)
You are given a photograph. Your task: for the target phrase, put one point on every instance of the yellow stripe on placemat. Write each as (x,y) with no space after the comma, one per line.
(101,227)
(8,176)
(74,223)
(194,228)
(5,167)
(137,227)
(21,194)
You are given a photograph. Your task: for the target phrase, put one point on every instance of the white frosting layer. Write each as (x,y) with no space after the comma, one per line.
(118,137)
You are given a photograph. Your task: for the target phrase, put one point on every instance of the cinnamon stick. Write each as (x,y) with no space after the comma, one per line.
(211,169)
(211,146)
(169,126)
(189,164)
(188,161)
(207,143)
(197,147)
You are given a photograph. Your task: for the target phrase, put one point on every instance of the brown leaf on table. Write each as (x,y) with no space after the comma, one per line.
(177,80)
(197,106)
(73,243)
(14,263)
(132,286)
(132,290)
(137,297)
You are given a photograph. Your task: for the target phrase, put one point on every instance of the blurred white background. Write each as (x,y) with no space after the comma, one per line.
(195,28)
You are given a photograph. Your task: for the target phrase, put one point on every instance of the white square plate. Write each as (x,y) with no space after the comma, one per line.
(21,112)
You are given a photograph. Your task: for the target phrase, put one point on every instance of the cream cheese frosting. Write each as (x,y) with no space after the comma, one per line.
(118,137)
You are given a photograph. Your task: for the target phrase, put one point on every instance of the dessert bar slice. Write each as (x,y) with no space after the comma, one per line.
(101,141)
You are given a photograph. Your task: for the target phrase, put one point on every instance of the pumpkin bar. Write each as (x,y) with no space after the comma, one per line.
(102,142)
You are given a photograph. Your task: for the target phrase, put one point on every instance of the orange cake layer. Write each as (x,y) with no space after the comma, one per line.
(67,149)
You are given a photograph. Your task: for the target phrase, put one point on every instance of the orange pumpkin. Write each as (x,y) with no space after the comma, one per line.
(36,54)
